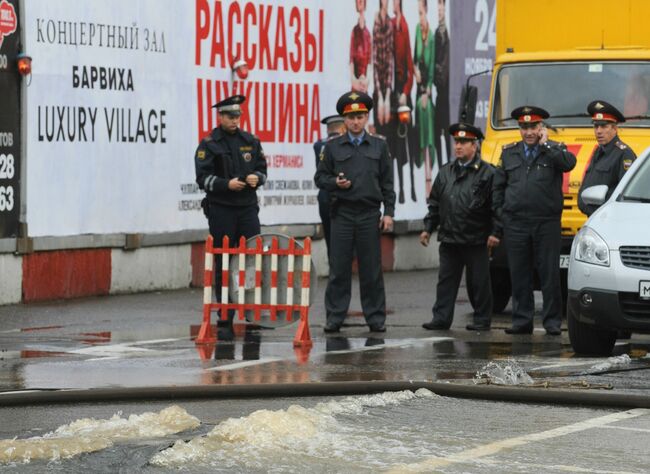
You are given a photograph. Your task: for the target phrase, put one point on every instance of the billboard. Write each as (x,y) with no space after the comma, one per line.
(122,93)
(9,119)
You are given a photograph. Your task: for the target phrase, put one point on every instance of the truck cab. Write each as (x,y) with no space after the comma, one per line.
(560,56)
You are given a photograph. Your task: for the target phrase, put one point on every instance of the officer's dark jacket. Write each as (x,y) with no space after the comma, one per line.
(221,157)
(607,166)
(531,189)
(323,196)
(460,203)
(368,166)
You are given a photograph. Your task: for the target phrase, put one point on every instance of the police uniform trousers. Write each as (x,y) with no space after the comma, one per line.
(453,258)
(534,244)
(234,222)
(324,212)
(355,229)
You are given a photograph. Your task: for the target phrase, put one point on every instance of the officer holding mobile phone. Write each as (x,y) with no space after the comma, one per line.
(356,169)
(528,199)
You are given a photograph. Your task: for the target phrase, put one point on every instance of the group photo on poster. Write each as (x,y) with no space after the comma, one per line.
(399,54)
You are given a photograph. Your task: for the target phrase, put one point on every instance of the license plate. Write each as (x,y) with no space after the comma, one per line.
(644,290)
(564,261)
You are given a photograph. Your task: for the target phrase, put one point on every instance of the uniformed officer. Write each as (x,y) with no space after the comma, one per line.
(612,158)
(356,169)
(335,127)
(528,198)
(230,166)
(460,202)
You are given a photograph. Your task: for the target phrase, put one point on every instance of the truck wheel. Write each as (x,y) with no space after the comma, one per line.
(501,289)
(587,339)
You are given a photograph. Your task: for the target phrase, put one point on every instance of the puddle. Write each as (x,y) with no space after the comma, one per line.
(507,372)
(89,435)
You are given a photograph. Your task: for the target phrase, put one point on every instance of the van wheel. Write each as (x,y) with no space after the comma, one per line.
(587,339)
(501,289)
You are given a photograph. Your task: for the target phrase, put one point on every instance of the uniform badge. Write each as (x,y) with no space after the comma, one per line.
(322,153)
(354,96)
(626,164)
(200,154)
(247,156)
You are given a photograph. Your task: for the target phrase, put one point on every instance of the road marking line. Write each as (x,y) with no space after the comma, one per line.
(246,363)
(555,467)
(627,428)
(498,446)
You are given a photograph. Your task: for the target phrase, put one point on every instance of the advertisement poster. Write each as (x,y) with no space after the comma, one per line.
(122,93)
(9,120)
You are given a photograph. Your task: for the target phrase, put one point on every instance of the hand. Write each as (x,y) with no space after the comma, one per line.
(236,185)
(424,238)
(343,182)
(402,99)
(492,242)
(424,99)
(543,135)
(252,180)
(418,78)
(386,224)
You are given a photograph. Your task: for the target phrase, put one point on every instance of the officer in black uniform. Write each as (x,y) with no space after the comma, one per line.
(529,201)
(356,169)
(335,127)
(460,203)
(612,158)
(230,166)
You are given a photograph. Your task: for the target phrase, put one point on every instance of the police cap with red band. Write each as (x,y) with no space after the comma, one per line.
(602,112)
(529,114)
(352,102)
(465,131)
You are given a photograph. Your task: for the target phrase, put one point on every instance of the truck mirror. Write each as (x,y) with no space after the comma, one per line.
(467,108)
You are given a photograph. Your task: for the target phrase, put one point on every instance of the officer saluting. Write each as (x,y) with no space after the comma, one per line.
(528,198)
(356,169)
(230,166)
(612,158)
(335,127)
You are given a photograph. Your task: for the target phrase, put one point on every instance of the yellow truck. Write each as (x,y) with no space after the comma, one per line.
(561,55)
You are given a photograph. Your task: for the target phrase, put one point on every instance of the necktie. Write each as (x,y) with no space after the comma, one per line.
(356,142)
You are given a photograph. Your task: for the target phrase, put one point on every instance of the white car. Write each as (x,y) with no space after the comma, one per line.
(609,267)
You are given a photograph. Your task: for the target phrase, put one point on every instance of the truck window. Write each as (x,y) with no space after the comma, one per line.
(565,89)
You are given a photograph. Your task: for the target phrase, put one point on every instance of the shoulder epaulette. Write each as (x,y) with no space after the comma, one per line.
(376,135)
(509,145)
(621,145)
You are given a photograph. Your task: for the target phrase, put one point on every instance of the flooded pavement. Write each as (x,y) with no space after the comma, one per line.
(147,340)
(389,432)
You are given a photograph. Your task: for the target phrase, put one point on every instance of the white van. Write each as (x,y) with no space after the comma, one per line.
(609,267)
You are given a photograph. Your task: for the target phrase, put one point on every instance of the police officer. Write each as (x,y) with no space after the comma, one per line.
(356,169)
(335,127)
(612,158)
(230,166)
(460,203)
(528,199)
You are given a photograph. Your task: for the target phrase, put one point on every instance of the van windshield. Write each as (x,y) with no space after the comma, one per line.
(638,188)
(565,89)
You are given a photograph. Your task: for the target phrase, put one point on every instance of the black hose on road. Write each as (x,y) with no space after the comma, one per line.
(518,394)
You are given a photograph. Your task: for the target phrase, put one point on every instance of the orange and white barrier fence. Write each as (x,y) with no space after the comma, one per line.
(272,307)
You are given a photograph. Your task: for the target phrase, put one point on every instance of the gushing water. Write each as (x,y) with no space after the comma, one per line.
(508,372)
(88,435)
(294,437)
(612,363)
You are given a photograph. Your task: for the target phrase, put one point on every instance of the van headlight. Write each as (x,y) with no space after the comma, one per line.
(589,247)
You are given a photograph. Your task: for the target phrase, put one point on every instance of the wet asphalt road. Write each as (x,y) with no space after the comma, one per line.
(146,340)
